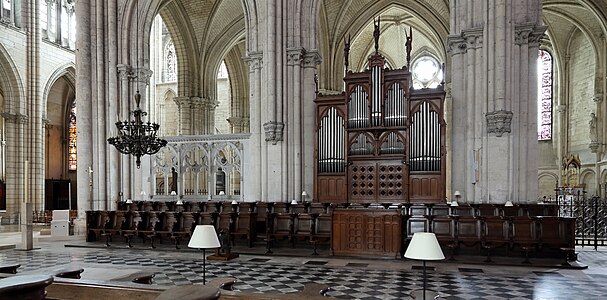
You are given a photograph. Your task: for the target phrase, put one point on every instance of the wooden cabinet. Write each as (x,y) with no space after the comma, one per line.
(366,232)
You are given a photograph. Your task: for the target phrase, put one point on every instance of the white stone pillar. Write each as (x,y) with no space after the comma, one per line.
(84,107)
(34,104)
(311,60)
(253,175)
(185,115)
(494,99)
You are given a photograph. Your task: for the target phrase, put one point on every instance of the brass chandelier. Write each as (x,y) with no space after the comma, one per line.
(136,137)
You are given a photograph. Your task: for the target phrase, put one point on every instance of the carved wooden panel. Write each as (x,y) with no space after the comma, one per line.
(366,232)
(425,188)
(391,182)
(362,181)
(332,189)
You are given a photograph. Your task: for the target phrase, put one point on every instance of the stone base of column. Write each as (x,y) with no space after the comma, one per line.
(27,235)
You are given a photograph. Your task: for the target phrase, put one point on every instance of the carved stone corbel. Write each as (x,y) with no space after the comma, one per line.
(273,131)
(499,122)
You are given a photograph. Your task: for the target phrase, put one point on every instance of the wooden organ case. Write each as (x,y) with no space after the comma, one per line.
(380,141)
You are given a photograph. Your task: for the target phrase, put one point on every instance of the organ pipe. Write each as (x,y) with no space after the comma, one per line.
(331,155)
(425,140)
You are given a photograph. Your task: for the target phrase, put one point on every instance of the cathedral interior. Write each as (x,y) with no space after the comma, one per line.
(316,137)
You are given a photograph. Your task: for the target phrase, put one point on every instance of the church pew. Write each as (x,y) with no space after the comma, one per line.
(183,227)
(444,229)
(524,234)
(322,231)
(148,225)
(303,227)
(164,228)
(494,234)
(244,226)
(131,226)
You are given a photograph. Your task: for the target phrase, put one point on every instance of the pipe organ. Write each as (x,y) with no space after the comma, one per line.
(380,141)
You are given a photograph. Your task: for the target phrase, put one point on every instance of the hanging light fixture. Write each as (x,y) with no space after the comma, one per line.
(136,137)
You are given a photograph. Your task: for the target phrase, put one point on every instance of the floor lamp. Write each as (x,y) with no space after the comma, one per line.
(424,246)
(204,237)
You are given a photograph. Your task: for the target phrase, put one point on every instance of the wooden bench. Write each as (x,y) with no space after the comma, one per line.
(73,273)
(141,277)
(224,283)
(31,287)
(190,292)
(9,269)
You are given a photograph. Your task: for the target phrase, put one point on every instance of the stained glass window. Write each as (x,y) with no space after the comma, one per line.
(72,139)
(223,71)
(544,115)
(427,72)
(171,63)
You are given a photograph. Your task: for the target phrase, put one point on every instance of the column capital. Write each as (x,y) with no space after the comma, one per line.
(46,123)
(528,33)
(124,71)
(295,56)
(183,102)
(499,122)
(238,121)
(311,59)
(254,60)
(15,118)
(457,44)
(473,37)
(142,75)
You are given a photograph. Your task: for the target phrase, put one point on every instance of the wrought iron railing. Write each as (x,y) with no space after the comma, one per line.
(591,215)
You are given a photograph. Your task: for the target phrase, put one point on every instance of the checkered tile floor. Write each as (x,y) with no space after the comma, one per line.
(350,282)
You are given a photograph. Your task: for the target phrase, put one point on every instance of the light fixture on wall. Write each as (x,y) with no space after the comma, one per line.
(304,195)
(456,196)
(136,137)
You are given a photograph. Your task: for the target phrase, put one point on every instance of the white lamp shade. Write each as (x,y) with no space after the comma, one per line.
(304,193)
(424,246)
(234,202)
(454,203)
(142,193)
(173,193)
(179,202)
(457,194)
(508,203)
(294,202)
(222,193)
(129,201)
(204,237)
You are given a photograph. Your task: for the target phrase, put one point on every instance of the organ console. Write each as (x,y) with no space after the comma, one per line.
(380,140)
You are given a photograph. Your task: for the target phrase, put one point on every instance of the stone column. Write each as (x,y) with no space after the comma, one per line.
(126,97)
(311,60)
(69,10)
(15,156)
(494,138)
(85,118)
(141,177)
(185,115)
(49,4)
(253,172)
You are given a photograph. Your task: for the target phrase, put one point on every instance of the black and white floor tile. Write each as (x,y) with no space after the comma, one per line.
(353,280)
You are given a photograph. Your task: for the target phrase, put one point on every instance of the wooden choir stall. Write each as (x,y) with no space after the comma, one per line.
(380,141)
